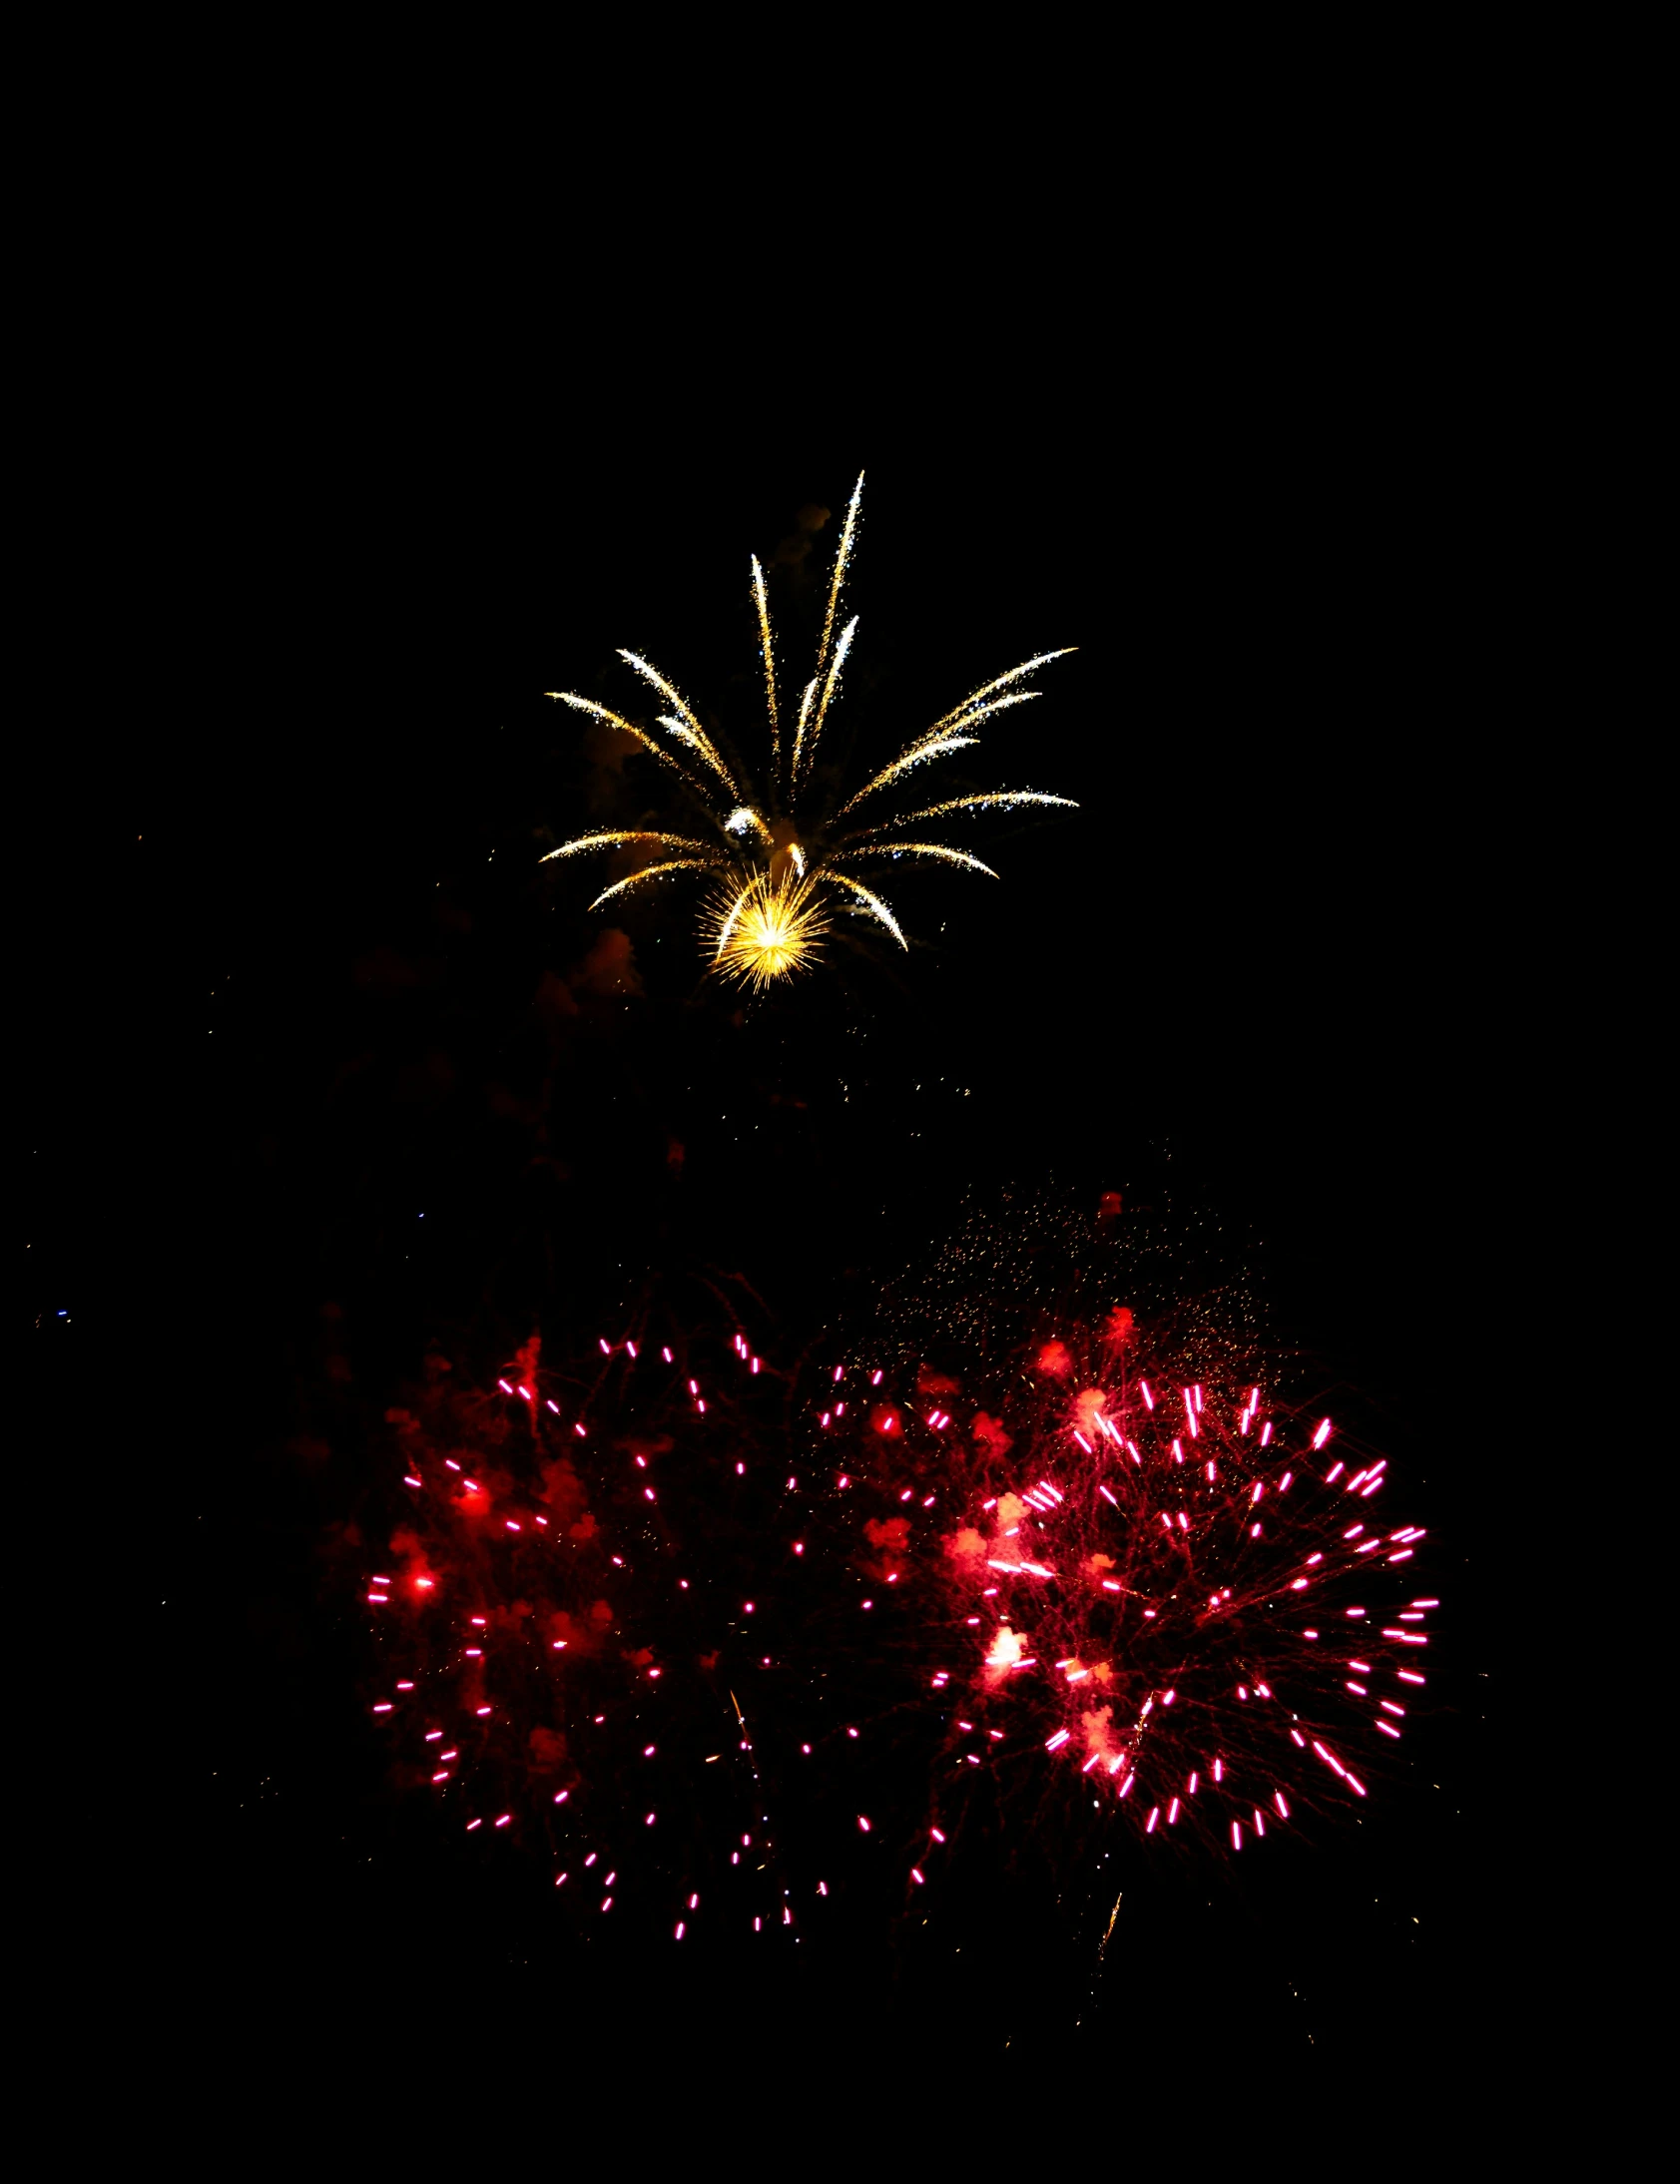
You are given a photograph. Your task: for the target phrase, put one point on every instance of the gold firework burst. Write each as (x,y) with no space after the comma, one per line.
(783,850)
(766,929)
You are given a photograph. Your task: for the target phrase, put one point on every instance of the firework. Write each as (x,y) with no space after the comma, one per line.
(783,850)
(748,1642)
(556,1667)
(763,932)
(1166,1595)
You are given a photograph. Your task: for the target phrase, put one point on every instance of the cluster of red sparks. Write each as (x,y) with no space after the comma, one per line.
(557,1664)
(1168,1588)
(1161,1591)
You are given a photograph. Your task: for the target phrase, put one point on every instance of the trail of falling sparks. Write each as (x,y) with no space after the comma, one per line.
(687,730)
(651,872)
(876,906)
(842,557)
(778,853)
(766,640)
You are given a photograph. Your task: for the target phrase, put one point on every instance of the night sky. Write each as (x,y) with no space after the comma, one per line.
(303,1004)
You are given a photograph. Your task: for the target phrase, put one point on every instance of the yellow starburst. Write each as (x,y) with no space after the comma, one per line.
(778,847)
(767,928)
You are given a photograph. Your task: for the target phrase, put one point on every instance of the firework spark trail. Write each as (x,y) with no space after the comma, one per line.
(651,872)
(917,849)
(648,743)
(877,908)
(687,730)
(782,887)
(622,836)
(1005,799)
(805,697)
(1003,681)
(936,742)
(829,687)
(842,557)
(761,602)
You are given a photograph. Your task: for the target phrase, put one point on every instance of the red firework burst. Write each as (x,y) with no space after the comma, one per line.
(1169,1589)
(572,1564)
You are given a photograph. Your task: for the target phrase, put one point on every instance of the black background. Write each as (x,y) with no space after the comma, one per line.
(1261,970)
